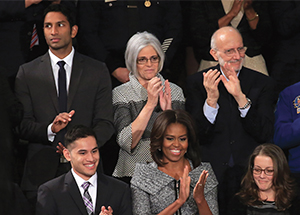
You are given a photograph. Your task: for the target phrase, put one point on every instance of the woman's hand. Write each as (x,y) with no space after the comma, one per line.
(108,211)
(185,181)
(198,192)
(153,89)
(165,99)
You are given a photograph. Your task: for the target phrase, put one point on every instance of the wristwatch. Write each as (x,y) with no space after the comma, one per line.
(247,104)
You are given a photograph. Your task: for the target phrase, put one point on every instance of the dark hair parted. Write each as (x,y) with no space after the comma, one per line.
(158,131)
(78,132)
(69,14)
(282,182)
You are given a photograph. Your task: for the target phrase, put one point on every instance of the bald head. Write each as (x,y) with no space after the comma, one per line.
(222,35)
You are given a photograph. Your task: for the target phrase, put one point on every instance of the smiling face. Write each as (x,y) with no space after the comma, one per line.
(58,33)
(84,156)
(175,143)
(148,70)
(264,182)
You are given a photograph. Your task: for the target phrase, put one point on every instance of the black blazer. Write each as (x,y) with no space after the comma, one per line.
(232,134)
(89,95)
(61,196)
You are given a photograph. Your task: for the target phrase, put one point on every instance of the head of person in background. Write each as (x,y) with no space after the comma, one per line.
(144,56)
(228,49)
(173,138)
(82,151)
(59,29)
(267,179)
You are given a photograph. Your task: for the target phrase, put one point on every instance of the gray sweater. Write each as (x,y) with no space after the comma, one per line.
(153,190)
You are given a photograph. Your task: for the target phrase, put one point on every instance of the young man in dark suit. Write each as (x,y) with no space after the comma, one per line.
(234,110)
(69,194)
(58,90)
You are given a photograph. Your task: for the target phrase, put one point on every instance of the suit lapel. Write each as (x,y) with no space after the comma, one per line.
(47,78)
(102,190)
(74,192)
(77,69)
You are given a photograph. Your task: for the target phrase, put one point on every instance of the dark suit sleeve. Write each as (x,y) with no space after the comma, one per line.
(45,202)
(103,110)
(29,128)
(259,121)
(12,10)
(196,96)
(125,207)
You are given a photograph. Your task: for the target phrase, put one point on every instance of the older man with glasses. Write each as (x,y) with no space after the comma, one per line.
(233,107)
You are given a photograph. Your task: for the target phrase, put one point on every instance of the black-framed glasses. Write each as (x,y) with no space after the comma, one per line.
(144,60)
(267,171)
(231,52)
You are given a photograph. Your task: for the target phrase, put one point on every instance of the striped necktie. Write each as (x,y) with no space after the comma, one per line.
(87,198)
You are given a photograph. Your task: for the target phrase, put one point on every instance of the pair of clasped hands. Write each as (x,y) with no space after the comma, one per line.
(155,93)
(211,80)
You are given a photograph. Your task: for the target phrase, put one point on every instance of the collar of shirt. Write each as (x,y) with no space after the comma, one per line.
(92,188)
(226,76)
(68,67)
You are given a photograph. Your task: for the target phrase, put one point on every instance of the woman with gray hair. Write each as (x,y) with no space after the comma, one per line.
(138,102)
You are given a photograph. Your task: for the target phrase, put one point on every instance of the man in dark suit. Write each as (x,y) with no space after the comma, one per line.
(233,107)
(56,96)
(67,194)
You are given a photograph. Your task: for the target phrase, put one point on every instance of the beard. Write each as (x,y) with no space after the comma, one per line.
(222,62)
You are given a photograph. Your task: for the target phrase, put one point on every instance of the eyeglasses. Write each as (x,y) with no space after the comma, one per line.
(231,52)
(267,171)
(144,60)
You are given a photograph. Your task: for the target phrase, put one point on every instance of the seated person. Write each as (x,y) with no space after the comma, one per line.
(138,102)
(177,182)
(267,187)
(82,190)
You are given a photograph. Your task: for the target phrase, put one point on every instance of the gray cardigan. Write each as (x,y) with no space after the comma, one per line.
(153,190)
(128,101)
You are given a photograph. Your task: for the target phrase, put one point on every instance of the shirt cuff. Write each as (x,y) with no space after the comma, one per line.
(51,135)
(210,113)
(244,111)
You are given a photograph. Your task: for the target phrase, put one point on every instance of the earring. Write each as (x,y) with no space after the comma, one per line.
(159,149)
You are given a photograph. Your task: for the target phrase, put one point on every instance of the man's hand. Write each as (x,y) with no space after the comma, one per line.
(108,211)
(233,85)
(165,99)
(122,74)
(61,121)
(60,148)
(211,81)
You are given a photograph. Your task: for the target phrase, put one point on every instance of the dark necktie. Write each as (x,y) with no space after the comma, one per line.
(62,87)
(87,198)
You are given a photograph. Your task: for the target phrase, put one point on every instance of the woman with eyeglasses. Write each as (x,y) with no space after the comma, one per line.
(267,187)
(138,102)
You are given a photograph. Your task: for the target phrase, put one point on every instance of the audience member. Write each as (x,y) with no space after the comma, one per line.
(138,102)
(286,24)
(106,26)
(82,190)
(18,19)
(267,187)
(163,186)
(250,17)
(234,110)
(287,129)
(57,90)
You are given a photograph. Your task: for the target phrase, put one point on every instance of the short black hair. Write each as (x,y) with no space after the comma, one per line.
(78,132)
(70,14)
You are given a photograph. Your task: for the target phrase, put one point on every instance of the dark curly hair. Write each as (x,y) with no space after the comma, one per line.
(283,184)
(159,128)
